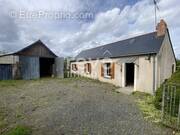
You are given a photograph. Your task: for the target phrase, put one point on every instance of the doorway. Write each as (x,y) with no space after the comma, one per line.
(129,74)
(46,67)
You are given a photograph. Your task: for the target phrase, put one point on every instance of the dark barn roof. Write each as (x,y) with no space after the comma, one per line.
(140,45)
(38,49)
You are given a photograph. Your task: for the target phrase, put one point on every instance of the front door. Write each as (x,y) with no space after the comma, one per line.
(129,74)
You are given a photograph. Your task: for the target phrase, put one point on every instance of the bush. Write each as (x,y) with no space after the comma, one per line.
(158,98)
(175,79)
(178,64)
(175,105)
(20,130)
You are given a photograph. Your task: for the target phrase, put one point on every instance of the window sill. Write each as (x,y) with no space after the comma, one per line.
(87,73)
(107,77)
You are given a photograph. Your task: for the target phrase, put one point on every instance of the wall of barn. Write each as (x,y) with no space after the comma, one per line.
(9,59)
(59,67)
(29,67)
(5,71)
(9,67)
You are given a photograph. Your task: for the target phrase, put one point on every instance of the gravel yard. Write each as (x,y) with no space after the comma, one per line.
(71,107)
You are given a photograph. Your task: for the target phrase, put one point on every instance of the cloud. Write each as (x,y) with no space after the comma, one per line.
(114,20)
(117,24)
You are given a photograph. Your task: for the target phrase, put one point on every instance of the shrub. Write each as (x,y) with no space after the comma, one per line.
(158,98)
(175,79)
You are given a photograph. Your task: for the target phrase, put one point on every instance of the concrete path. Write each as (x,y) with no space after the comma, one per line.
(125,90)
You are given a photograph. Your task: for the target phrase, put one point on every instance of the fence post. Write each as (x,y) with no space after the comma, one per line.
(163,100)
(178,115)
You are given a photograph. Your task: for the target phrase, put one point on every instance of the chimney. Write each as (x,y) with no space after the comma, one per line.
(161,28)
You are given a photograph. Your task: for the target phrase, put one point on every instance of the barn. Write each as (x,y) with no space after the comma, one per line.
(33,62)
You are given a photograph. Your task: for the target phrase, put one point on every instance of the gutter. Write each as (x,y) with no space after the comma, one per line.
(122,56)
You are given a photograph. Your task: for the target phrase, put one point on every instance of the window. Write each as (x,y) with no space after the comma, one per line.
(108,70)
(74,67)
(87,68)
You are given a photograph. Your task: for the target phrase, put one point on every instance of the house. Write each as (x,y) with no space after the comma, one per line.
(141,63)
(33,62)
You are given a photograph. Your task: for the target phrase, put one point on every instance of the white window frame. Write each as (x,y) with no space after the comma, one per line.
(74,67)
(87,68)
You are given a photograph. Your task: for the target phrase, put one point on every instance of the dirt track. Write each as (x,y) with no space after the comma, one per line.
(71,106)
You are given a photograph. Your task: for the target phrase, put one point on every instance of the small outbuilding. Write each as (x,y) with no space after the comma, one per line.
(32,62)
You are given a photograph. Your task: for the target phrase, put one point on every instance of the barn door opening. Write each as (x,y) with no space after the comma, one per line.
(46,67)
(129,74)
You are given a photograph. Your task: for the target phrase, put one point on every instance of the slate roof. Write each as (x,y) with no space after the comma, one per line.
(140,45)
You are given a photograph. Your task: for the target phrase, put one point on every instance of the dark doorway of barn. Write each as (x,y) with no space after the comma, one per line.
(129,74)
(46,67)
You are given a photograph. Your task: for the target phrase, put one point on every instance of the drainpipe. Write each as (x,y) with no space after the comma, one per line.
(154,74)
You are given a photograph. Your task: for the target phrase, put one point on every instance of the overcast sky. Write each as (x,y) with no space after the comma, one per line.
(108,21)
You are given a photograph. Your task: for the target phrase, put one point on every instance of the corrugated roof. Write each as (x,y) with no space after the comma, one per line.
(140,45)
(37,52)
(25,50)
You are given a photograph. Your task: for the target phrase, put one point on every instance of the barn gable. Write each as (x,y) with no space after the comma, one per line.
(38,49)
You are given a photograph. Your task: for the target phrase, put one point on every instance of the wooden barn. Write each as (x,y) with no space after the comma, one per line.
(32,62)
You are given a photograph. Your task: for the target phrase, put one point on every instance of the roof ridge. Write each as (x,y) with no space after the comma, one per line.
(35,43)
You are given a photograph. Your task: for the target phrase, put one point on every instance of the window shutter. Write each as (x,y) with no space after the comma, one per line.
(102,70)
(90,68)
(84,68)
(112,70)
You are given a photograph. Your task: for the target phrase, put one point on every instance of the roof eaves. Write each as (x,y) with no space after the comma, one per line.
(130,55)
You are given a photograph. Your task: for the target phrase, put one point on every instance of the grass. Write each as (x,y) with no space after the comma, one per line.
(17,83)
(7,83)
(3,114)
(151,105)
(19,130)
(145,103)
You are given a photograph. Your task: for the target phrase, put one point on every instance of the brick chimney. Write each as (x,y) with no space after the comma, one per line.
(161,28)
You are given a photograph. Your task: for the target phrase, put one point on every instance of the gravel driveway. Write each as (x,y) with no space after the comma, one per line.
(72,107)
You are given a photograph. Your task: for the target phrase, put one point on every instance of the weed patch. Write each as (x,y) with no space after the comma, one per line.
(19,130)
(146,105)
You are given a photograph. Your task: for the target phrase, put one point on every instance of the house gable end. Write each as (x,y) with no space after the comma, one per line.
(167,42)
